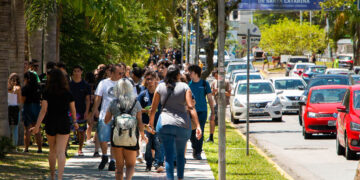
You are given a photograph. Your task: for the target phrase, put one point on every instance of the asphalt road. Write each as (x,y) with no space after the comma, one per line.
(302,159)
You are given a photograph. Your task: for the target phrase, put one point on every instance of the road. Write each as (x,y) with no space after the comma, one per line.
(302,159)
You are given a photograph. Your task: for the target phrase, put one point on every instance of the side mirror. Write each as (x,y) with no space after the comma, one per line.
(301,87)
(342,109)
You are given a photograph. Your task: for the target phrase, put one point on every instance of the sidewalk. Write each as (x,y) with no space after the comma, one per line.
(86,167)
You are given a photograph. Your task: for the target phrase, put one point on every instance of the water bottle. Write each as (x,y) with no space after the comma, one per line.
(142,147)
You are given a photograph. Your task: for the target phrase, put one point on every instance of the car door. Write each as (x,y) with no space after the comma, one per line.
(341,120)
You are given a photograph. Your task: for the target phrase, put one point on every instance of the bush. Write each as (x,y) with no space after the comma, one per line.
(5,146)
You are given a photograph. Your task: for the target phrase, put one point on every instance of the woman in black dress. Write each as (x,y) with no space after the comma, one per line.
(57,102)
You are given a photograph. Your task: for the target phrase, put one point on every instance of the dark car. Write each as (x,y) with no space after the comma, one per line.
(318,80)
(311,71)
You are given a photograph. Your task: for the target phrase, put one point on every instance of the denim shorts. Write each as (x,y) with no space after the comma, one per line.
(104,131)
(30,113)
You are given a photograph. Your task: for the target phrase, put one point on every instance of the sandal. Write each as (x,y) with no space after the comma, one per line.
(80,153)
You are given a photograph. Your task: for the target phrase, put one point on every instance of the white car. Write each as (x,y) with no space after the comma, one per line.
(264,102)
(338,71)
(243,76)
(299,69)
(235,72)
(236,66)
(289,92)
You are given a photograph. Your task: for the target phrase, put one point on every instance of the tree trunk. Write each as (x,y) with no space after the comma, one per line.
(5,18)
(35,46)
(356,46)
(50,43)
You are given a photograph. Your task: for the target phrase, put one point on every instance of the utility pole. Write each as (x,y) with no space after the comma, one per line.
(197,44)
(310,18)
(248,92)
(221,87)
(301,17)
(182,38)
(187,33)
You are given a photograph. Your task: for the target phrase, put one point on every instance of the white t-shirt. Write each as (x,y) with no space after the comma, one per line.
(105,90)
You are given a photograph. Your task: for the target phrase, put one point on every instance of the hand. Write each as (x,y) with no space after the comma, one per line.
(34,130)
(96,113)
(76,126)
(86,115)
(144,138)
(198,133)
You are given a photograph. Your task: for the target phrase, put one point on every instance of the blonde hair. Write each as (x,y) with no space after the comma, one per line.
(124,92)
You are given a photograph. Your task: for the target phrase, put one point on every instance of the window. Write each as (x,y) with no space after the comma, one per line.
(235,15)
(327,96)
(256,88)
(288,84)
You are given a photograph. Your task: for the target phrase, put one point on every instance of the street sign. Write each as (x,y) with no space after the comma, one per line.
(255,34)
(280,5)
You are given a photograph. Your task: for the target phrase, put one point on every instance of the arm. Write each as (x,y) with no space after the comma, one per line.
(108,117)
(153,109)
(41,116)
(73,114)
(191,107)
(140,123)
(18,93)
(95,109)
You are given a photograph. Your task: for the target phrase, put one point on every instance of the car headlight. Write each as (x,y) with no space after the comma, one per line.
(312,115)
(237,103)
(276,102)
(354,126)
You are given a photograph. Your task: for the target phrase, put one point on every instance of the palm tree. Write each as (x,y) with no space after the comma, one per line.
(4,63)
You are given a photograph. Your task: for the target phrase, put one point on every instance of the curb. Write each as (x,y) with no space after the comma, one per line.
(262,153)
(264,73)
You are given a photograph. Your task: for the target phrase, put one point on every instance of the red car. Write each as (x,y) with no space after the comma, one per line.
(320,113)
(348,124)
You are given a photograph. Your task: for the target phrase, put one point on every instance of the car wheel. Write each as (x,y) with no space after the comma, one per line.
(340,150)
(277,119)
(305,134)
(349,154)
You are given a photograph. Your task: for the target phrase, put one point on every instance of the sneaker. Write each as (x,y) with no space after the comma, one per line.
(104,160)
(210,140)
(96,154)
(198,157)
(148,168)
(80,153)
(112,165)
(160,169)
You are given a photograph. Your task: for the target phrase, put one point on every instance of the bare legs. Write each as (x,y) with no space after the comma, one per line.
(57,145)
(129,156)
(27,135)
(81,137)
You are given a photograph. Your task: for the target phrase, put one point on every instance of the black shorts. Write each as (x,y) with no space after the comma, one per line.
(13,114)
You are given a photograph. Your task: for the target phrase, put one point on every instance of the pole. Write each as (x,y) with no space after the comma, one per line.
(301,17)
(247,92)
(252,17)
(310,18)
(182,38)
(197,35)
(327,32)
(221,86)
(187,33)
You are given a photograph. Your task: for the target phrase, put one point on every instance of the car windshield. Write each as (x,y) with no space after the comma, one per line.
(357,99)
(300,66)
(295,60)
(344,57)
(327,95)
(256,88)
(328,81)
(320,70)
(338,71)
(243,77)
(288,84)
(237,67)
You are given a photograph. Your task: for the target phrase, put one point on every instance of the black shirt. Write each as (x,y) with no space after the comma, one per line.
(31,94)
(79,91)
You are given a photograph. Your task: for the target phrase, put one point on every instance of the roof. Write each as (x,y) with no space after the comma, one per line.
(234,63)
(330,76)
(283,78)
(244,73)
(301,63)
(330,87)
(318,66)
(355,87)
(255,81)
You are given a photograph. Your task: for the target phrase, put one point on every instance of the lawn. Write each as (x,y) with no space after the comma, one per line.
(31,165)
(238,165)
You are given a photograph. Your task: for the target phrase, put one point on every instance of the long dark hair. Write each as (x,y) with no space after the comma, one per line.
(57,82)
(31,80)
(171,76)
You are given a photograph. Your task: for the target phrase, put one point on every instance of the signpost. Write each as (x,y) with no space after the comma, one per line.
(271,5)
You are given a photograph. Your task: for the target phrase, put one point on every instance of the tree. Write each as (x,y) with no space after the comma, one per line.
(289,37)
(5,17)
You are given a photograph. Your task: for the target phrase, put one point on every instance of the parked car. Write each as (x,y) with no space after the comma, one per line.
(291,61)
(338,71)
(320,113)
(291,93)
(236,66)
(235,72)
(356,79)
(243,76)
(348,124)
(325,79)
(202,57)
(311,71)
(346,61)
(299,69)
(356,69)
(264,102)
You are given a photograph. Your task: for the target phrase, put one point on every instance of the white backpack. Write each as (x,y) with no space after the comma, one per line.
(124,129)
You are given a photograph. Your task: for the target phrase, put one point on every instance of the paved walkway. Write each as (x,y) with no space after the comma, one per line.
(86,168)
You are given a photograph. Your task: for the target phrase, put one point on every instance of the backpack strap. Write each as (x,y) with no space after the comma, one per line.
(205,87)
(132,107)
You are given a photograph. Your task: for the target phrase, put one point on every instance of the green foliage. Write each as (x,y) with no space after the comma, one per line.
(289,37)
(37,12)
(6,146)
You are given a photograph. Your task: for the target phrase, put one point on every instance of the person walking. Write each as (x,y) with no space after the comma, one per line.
(14,100)
(105,94)
(174,124)
(125,101)
(81,91)
(201,90)
(145,98)
(266,60)
(30,97)
(57,102)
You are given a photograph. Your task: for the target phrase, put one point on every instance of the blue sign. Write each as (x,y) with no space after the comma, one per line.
(280,5)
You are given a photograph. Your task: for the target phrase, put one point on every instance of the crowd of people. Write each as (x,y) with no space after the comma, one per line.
(159,107)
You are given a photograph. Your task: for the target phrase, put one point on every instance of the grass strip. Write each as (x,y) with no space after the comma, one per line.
(238,165)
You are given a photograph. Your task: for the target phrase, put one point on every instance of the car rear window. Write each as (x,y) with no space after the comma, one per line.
(300,66)
(237,67)
(344,57)
(288,84)
(356,79)
(328,81)
(327,95)
(318,69)
(295,60)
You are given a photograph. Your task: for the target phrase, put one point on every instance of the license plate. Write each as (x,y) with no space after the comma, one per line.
(331,123)
(256,110)
(295,104)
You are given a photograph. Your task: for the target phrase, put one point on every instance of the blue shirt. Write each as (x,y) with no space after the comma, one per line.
(199,91)
(145,98)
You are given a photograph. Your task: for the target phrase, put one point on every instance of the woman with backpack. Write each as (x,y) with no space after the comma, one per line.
(57,102)
(174,123)
(126,127)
